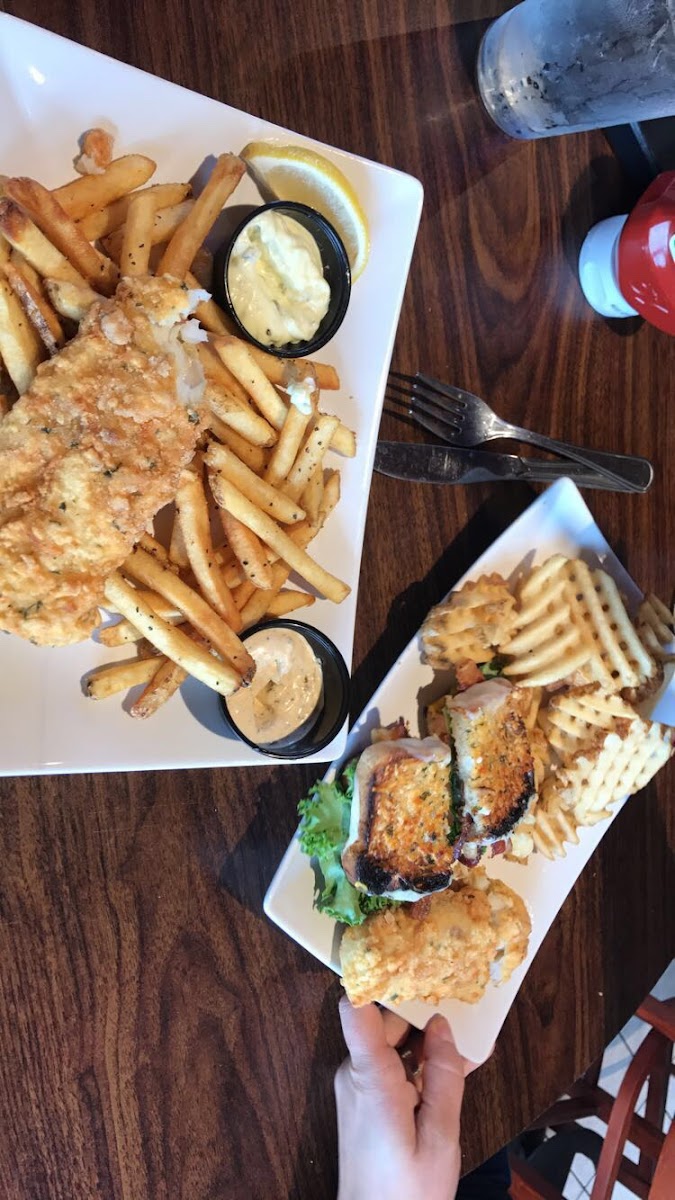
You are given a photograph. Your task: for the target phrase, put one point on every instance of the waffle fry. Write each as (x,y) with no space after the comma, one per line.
(656,628)
(471,623)
(575,719)
(572,626)
(618,766)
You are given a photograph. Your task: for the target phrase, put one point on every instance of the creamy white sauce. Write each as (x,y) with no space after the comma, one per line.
(275,279)
(286,691)
(300,394)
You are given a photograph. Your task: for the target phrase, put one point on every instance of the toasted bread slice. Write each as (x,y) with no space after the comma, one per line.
(493,758)
(403,827)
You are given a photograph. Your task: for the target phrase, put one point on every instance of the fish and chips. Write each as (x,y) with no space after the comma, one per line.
(130,394)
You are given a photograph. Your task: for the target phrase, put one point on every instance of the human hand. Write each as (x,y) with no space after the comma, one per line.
(392,1139)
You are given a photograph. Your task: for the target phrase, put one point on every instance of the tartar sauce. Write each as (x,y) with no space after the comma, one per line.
(286,691)
(275,279)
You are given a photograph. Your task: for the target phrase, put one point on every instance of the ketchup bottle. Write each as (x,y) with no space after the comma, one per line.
(627,263)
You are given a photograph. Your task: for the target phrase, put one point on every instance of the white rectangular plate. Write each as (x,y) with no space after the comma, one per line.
(51,91)
(558,522)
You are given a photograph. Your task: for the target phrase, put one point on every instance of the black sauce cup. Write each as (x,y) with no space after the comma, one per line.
(332,712)
(336,272)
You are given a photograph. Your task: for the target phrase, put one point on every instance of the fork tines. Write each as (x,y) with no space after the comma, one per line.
(432,404)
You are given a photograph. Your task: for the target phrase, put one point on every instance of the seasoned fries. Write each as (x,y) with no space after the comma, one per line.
(192,513)
(170,641)
(72,300)
(63,233)
(279,505)
(222,636)
(229,498)
(20,346)
(90,193)
(24,235)
(250,553)
(185,243)
(100,224)
(136,241)
(36,307)
(107,681)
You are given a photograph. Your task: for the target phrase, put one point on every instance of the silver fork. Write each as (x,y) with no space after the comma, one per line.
(463,419)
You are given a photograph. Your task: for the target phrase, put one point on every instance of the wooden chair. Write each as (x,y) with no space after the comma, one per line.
(653,1176)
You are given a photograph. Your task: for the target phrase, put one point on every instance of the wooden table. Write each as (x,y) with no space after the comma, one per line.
(158,1037)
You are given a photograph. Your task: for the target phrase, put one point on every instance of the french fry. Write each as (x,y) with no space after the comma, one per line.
(220,460)
(313,495)
(164,224)
(24,235)
(100,224)
(285,452)
(288,601)
(20,347)
(164,683)
(151,546)
(248,550)
(118,677)
(243,364)
(187,239)
(208,313)
(216,372)
(90,193)
(192,513)
(236,357)
(221,636)
(343,441)
(326,376)
(123,633)
(72,300)
(310,456)
(38,309)
(241,418)
(172,642)
(243,593)
(63,233)
(253,456)
(202,268)
(177,548)
(256,605)
(136,241)
(228,497)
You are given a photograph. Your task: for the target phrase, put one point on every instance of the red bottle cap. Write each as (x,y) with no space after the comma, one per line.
(646,254)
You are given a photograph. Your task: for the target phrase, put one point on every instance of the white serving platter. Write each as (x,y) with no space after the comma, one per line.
(558,522)
(51,91)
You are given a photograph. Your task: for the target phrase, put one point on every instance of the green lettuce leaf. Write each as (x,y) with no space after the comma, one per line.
(324,828)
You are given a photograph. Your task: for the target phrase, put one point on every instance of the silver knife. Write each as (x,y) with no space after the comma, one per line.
(424,463)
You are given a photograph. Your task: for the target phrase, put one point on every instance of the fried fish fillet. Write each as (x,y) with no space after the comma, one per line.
(90,453)
(446,947)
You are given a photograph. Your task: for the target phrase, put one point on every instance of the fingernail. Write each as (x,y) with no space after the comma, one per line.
(441,1029)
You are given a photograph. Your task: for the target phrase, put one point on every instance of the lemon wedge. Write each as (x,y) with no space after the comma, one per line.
(301,175)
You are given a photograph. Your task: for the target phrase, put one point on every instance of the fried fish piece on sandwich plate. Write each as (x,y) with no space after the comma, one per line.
(91,452)
(449,946)
(403,826)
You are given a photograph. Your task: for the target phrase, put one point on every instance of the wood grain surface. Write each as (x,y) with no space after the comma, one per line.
(158,1037)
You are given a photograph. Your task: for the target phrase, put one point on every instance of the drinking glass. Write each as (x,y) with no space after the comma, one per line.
(563,66)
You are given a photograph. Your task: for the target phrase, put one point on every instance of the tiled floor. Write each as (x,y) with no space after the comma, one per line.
(616,1059)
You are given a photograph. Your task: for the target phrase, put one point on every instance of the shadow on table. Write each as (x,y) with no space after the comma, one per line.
(411,606)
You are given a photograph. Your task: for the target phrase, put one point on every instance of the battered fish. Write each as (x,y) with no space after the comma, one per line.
(91,452)
(445,947)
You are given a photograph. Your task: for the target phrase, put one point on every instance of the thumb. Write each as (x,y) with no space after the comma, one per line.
(443,1088)
(364,1033)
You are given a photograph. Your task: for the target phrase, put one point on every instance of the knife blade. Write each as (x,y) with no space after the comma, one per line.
(420,462)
